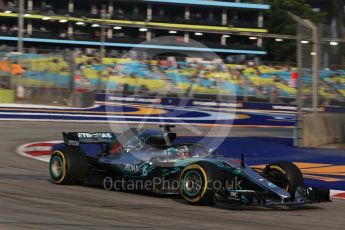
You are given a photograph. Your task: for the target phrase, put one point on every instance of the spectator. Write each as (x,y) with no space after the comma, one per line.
(2,84)
(97,33)
(143,89)
(197,16)
(94,10)
(120,13)
(4,28)
(63,34)
(14,29)
(125,90)
(11,4)
(17,69)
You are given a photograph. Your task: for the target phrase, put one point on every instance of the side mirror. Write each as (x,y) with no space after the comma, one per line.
(213,152)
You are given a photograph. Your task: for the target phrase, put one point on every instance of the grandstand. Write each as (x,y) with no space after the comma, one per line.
(224,26)
(133,76)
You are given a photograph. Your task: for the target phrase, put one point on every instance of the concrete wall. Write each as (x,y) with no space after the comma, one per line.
(323,128)
(82,99)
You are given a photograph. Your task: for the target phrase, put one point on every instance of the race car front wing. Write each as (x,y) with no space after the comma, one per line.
(303,195)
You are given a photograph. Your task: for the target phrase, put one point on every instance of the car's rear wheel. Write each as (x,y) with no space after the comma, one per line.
(285,175)
(198,183)
(67,166)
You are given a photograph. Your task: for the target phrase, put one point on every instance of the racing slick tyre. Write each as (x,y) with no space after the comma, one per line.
(285,175)
(199,183)
(68,166)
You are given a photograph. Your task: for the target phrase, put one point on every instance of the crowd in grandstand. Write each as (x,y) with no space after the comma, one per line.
(136,74)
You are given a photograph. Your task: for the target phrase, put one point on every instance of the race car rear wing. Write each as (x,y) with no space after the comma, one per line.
(74,139)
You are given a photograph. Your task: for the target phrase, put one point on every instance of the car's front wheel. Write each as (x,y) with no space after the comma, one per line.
(198,183)
(285,175)
(68,167)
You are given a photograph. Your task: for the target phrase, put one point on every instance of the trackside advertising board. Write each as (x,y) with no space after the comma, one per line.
(170,101)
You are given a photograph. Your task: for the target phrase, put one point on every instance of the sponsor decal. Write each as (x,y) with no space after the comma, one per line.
(144,171)
(132,168)
(95,135)
(294,108)
(73,143)
(217,104)
(134,99)
(271,184)
(282,107)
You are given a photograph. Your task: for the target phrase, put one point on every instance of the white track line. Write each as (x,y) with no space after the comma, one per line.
(35,106)
(210,117)
(145,122)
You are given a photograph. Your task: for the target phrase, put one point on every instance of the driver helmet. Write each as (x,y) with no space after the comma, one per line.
(172,151)
(183,152)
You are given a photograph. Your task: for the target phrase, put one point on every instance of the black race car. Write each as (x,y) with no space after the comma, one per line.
(152,160)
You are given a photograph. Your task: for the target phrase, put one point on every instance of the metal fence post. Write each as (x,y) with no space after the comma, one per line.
(72,70)
(298,138)
(315,64)
(20,26)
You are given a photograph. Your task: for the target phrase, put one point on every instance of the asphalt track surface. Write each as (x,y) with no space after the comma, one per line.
(29,201)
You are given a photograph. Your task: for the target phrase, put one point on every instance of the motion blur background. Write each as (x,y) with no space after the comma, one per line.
(49,49)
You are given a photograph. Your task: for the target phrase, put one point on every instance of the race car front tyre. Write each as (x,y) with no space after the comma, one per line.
(68,166)
(285,175)
(199,183)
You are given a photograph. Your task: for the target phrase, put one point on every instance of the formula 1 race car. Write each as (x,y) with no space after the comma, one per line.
(152,160)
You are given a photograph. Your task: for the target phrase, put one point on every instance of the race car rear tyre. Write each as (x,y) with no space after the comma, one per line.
(286,175)
(68,166)
(199,183)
